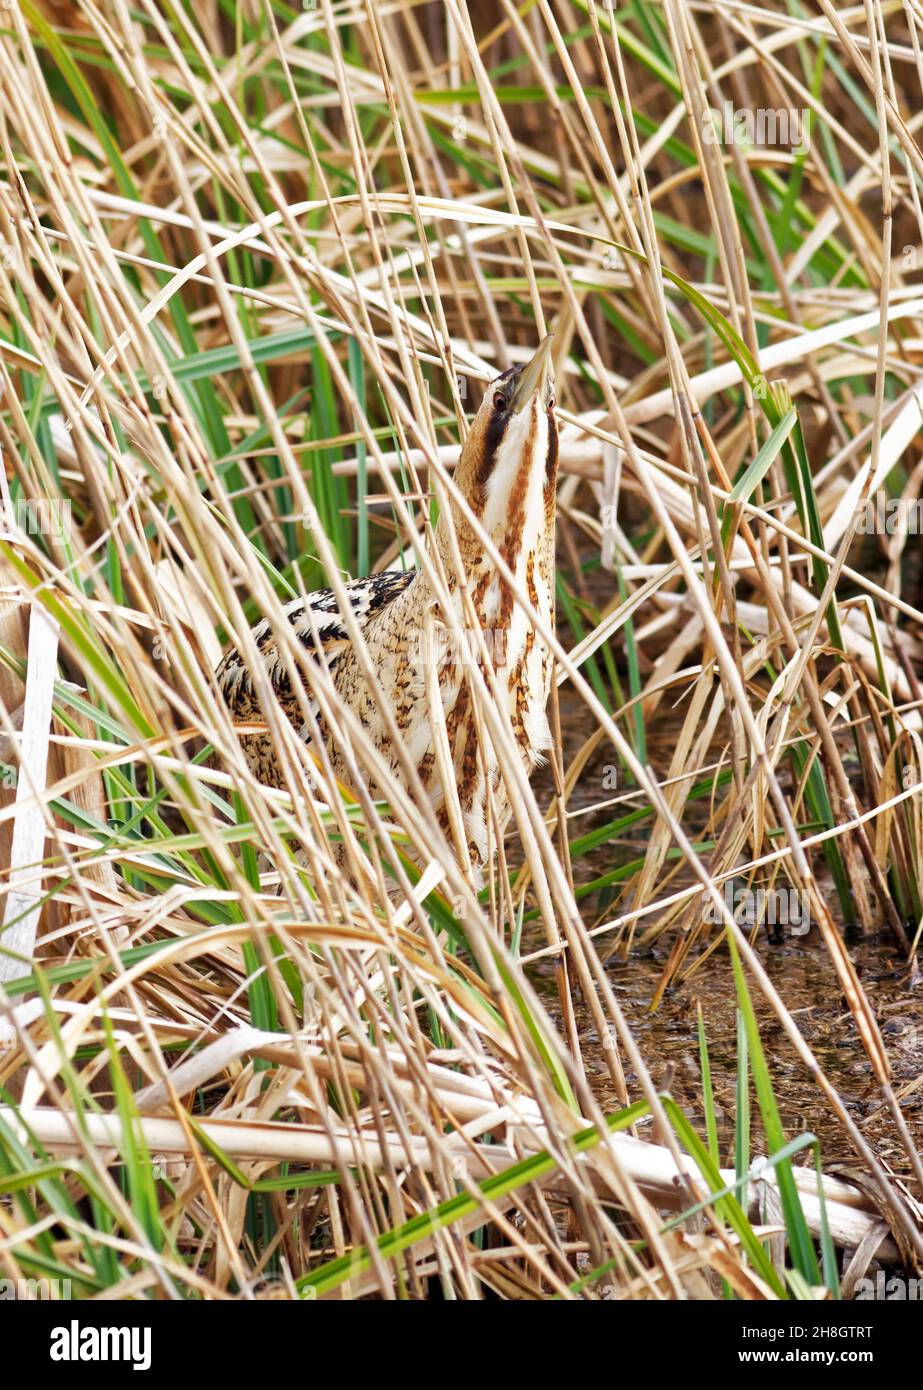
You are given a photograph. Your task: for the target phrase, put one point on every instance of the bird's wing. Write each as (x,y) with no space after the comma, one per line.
(317,613)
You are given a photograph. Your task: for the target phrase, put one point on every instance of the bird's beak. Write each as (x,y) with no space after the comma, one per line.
(534,377)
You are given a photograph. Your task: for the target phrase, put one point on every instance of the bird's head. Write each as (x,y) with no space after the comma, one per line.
(509,460)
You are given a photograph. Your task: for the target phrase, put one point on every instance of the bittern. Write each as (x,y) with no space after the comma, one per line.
(507,474)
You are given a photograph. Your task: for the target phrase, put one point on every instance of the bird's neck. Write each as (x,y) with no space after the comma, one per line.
(514,504)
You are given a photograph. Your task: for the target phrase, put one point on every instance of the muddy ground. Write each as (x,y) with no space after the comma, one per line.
(800,969)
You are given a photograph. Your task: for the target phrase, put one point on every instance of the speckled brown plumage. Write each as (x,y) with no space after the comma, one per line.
(508,474)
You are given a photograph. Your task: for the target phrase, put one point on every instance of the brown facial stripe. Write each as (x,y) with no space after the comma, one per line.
(493,437)
(517,504)
(551,464)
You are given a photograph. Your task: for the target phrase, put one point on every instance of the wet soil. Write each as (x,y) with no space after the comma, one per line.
(802,972)
(804,976)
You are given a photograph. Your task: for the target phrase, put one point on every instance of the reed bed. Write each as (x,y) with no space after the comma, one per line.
(257,263)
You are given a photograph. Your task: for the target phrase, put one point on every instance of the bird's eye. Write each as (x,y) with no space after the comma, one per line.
(500,400)
(552,403)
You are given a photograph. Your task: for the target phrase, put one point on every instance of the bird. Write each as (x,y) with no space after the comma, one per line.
(507,475)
